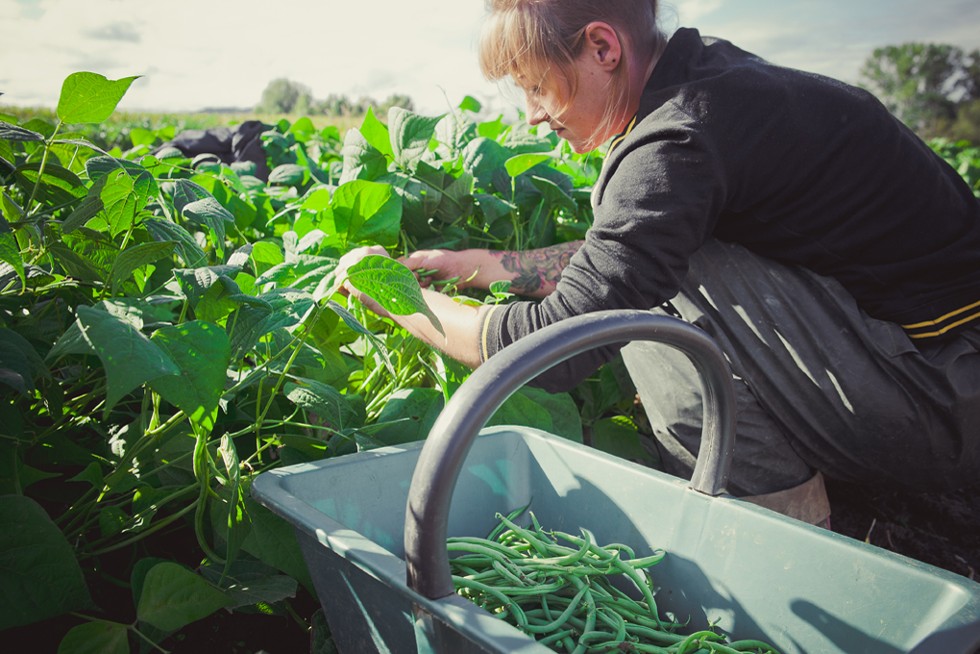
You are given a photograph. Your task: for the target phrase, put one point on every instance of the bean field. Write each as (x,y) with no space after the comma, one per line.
(170,328)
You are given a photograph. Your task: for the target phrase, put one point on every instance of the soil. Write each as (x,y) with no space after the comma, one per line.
(939,529)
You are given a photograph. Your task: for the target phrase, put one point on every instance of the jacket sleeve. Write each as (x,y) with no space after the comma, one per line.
(656,202)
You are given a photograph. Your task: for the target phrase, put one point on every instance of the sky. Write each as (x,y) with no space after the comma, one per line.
(196,54)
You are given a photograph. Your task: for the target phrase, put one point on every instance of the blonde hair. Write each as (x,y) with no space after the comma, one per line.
(527,39)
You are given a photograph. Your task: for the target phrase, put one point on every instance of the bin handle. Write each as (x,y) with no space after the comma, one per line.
(475,401)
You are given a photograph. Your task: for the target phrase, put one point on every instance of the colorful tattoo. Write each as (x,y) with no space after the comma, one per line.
(537,271)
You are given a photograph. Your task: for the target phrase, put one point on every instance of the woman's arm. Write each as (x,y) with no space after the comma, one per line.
(459,337)
(532,273)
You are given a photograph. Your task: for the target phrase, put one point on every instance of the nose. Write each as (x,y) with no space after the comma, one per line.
(535,112)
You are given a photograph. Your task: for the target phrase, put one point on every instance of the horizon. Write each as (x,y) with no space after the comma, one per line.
(424,50)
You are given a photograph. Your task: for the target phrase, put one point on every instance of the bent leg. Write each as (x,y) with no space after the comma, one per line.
(850,395)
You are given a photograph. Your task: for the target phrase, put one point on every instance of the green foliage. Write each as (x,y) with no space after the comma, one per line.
(169,329)
(283,96)
(924,84)
(964,157)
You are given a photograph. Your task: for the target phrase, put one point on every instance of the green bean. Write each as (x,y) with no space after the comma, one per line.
(475,546)
(750,644)
(555,637)
(500,526)
(556,587)
(532,539)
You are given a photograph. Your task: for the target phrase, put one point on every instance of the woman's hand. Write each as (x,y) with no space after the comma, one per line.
(443,265)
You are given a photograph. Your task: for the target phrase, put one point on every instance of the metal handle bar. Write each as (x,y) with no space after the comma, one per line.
(476,400)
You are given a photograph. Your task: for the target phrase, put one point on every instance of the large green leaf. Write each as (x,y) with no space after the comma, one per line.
(130,359)
(392,285)
(133,258)
(39,576)
(173,597)
(365,212)
(123,197)
(90,97)
(361,159)
(522,163)
(410,135)
(202,352)
(376,133)
(96,638)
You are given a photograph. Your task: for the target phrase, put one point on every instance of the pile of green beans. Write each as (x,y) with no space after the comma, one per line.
(557,588)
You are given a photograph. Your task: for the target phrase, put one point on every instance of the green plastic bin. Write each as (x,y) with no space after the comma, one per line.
(372,527)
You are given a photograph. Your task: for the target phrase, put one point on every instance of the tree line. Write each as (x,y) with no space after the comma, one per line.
(284,96)
(932,88)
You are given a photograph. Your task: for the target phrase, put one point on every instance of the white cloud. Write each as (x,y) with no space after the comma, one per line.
(200,53)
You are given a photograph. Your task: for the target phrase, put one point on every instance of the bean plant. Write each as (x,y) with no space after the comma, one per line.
(170,327)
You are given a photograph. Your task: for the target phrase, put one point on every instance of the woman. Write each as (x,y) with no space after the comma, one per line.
(831,254)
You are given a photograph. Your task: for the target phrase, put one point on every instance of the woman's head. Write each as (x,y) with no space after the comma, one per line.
(543,44)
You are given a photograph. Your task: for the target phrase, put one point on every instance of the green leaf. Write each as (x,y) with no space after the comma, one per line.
(376,133)
(521,409)
(250,583)
(325,402)
(9,132)
(90,97)
(98,637)
(10,253)
(352,322)
(173,597)
(123,198)
(19,362)
(136,257)
(57,184)
(565,419)
(392,285)
(272,540)
(288,174)
(365,212)
(202,352)
(410,135)
(211,213)
(39,576)
(618,436)
(188,249)
(469,103)
(411,414)
(130,359)
(361,159)
(522,163)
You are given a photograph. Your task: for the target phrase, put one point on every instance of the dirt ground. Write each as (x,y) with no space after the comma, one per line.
(940,529)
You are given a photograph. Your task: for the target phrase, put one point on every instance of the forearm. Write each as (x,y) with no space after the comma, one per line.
(461,324)
(532,273)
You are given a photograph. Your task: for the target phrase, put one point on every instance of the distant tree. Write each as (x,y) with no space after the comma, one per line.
(284,96)
(395,100)
(923,83)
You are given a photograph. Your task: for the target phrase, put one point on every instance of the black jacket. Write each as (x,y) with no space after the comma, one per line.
(796,167)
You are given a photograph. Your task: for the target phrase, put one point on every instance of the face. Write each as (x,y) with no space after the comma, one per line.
(579,120)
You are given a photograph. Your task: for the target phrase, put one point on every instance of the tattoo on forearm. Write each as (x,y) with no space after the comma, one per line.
(537,271)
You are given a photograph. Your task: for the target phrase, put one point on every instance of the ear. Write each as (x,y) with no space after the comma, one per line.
(603,45)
